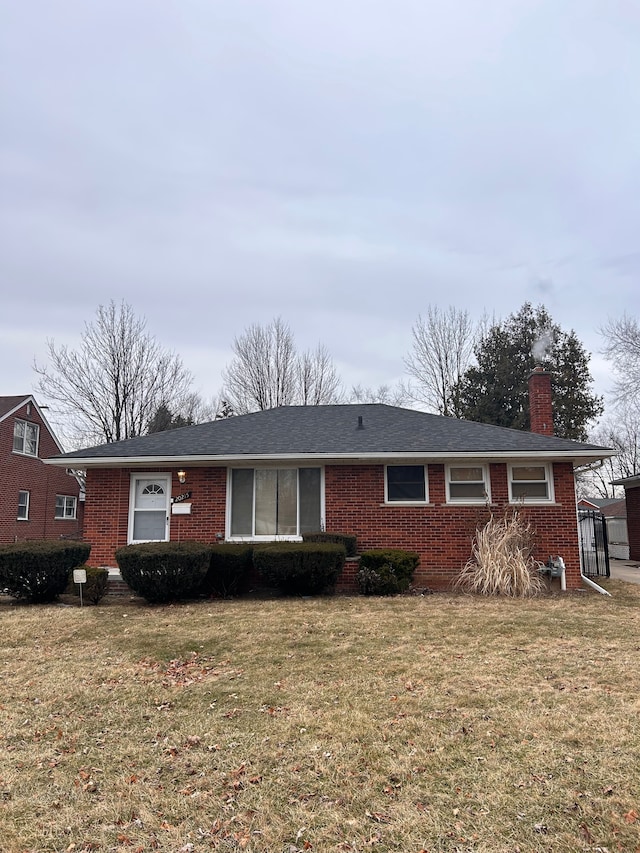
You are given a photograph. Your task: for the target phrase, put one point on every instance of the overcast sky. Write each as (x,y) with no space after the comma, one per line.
(344,165)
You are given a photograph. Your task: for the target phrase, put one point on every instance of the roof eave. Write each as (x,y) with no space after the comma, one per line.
(577,458)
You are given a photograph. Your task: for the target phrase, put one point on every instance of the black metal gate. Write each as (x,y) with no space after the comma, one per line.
(594,547)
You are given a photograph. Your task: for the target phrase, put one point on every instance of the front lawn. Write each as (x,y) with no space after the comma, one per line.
(443,723)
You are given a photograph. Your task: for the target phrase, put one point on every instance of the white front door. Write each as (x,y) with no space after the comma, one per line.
(149,508)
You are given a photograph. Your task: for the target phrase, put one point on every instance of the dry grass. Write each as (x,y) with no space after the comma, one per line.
(501,561)
(444,723)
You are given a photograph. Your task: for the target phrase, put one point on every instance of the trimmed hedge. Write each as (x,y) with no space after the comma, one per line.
(348,540)
(386,572)
(95,589)
(230,564)
(164,571)
(300,568)
(38,570)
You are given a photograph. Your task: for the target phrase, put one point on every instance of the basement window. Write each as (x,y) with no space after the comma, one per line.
(530,484)
(406,484)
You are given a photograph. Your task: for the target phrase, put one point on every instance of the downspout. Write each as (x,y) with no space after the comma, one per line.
(594,585)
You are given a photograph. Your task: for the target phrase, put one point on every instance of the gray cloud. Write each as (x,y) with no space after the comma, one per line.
(342,165)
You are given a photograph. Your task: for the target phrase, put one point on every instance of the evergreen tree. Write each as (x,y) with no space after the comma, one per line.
(164,419)
(495,390)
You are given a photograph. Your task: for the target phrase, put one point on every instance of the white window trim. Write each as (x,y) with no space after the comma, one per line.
(24,451)
(486,498)
(28,494)
(276,537)
(406,503)
(152,475)
(548,467)
(64,516)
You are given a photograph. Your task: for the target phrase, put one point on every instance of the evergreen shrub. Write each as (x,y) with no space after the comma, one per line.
(38,570)
(230,564)
(164,571)
(349,540)
(386,571)
(303,568)
(95,589)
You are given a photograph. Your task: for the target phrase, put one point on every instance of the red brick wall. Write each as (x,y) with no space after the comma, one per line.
(540,402)
(107,508)
(28,473)
(442,534)
(633,521)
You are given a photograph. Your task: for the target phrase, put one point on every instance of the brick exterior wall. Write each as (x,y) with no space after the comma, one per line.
(354,503)
(106,517)
(19,472)
(633,521)
(540,402)
(443,533)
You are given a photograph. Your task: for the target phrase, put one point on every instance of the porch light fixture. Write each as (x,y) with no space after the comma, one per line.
(182,476)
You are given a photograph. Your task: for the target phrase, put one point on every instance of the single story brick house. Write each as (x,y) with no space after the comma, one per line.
(36,501)
(393,477)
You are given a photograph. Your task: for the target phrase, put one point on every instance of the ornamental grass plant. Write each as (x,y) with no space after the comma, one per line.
(501,562)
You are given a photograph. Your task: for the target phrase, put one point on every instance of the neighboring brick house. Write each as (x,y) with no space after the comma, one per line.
(632,496)
(393,477)
(36,501)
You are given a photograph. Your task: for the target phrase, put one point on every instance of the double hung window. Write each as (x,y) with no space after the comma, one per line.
(467,484)
(530,483)
(66,506)
(23,506)
(25,438)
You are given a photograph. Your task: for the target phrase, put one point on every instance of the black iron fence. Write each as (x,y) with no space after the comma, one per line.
(594,547)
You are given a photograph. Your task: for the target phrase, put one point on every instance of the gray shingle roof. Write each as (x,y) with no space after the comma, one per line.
(8,404)
(333,431)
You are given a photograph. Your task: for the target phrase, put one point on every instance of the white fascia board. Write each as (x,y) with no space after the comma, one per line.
(578,457)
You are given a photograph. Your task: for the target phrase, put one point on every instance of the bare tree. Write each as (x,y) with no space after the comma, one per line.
(113,384)
(622,349)
(263,371)
(387,394)
(442,350)
(621,431)
(267,371)
(317,378)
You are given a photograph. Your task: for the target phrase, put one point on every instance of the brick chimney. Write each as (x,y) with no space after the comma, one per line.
(540,406)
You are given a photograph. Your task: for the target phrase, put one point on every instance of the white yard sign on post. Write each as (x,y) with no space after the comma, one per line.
(80,577)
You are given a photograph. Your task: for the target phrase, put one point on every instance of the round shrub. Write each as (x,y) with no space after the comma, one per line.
(95,589)
(299,568)
(348,540)
(386,571)
(38,570)
(164,571)
(230,564)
